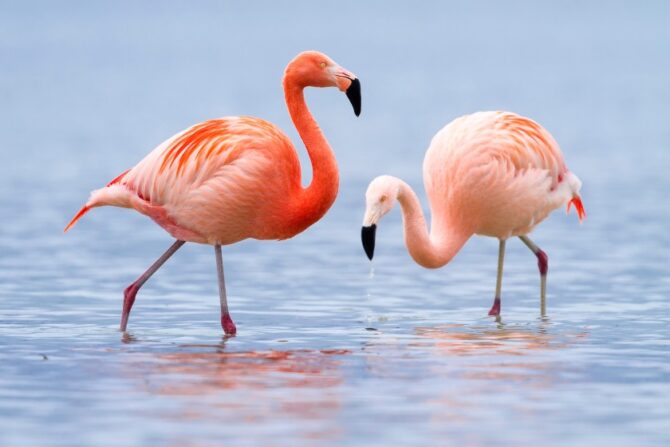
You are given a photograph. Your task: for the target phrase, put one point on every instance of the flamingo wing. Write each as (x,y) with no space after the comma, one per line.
(506,170)
(531,147)
(526,144)
(212,167)
(187,161)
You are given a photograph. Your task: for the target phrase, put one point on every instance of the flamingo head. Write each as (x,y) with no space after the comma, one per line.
(315,69)
(380,198)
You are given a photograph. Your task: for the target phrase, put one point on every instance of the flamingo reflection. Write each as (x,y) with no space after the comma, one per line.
(460,370)
(274,387)
(505,352)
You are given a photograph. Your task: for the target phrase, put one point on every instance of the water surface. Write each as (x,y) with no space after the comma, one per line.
(328,354)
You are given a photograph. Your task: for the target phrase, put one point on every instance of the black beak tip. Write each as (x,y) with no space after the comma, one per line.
(354,95)
(368,239)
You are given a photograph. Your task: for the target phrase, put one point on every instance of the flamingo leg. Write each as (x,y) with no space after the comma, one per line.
(495,309)
(543,266)
(226,321)
(131,290)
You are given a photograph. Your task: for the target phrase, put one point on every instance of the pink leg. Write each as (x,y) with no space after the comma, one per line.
(131,290)
(226,321)
(543,266)
(495,309)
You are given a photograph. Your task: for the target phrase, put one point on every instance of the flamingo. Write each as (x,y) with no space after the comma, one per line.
(493,174)
(233,178)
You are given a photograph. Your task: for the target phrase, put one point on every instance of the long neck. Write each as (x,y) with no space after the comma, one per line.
(434,249)
(309,204)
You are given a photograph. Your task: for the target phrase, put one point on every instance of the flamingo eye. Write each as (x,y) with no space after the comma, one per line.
(382,199)
(322,65)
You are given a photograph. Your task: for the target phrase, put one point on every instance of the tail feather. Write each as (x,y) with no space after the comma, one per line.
(579,207)
(113,194)
(84,209)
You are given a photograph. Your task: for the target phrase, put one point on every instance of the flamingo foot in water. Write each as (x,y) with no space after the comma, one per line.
(128,301)
(228,325)
(495,309)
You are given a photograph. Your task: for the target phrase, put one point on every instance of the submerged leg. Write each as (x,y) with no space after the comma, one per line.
(226,322)
(495,309)
(131,290)
(543,266)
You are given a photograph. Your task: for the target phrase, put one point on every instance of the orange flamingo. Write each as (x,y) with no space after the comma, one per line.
(233,178)
(493,174)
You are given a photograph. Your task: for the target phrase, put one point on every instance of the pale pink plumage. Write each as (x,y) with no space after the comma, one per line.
(489,173)
(217,182)
(228,179)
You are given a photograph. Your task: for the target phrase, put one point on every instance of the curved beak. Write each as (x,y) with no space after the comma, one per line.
(354,95)
(347,82)
(368,239)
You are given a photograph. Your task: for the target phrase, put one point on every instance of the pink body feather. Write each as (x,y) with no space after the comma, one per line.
(495,174)
(489,173)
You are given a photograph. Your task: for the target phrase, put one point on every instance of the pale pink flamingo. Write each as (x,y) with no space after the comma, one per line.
(493,174)
(233,178)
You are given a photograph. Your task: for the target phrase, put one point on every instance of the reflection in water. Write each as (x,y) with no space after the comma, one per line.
(503,353)
(506,353)
(504,340)
(463,369)
(107,79)
(262,387)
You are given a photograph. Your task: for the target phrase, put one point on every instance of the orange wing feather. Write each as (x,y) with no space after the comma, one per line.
(546,149)
(118,178)
(212,138)
(534,138)
(579,206)
(183,147)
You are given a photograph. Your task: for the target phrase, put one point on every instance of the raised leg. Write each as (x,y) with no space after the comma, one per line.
(543,266)
(131,290)
(495,309)
(226,322)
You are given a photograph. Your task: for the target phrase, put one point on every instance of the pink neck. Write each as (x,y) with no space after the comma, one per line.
(428,250)
(311,203)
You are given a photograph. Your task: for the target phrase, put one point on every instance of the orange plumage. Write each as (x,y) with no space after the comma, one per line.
(232,178)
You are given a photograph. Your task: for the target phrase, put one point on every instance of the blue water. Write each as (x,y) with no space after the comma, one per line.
(329,352)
